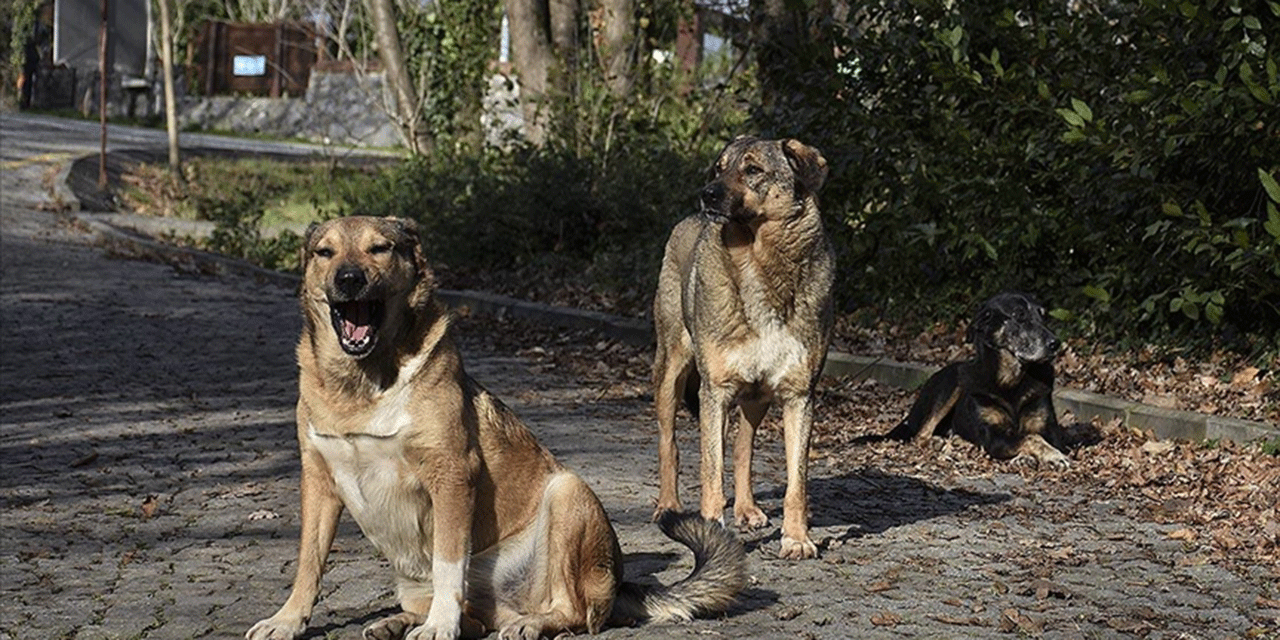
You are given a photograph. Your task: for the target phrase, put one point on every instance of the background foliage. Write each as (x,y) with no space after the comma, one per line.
(1117,159)
(598,197)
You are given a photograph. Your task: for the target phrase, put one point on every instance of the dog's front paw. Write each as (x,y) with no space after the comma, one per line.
(391,627)
(750,517)
(428,631)
(1025,461)
(1055,460)
(522,629)
(793,549)
(277,627)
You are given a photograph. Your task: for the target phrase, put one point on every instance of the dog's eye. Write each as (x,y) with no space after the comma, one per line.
(380,248)
(753,170)
(324,252)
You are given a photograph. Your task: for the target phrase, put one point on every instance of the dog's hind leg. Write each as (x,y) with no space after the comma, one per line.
(746,513)
(572,574)
(931,412)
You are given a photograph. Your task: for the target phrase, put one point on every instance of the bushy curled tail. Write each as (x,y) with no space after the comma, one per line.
(719,574)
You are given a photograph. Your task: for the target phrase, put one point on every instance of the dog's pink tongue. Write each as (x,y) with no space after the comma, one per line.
(355,323)
(354,332)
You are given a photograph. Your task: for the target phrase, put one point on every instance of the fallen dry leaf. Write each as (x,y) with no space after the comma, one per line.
(788,613)
(1043,589)
(149,506)
(1267,603)
(1244,377)
(1183,534)
(1012,620)
(886,619)
(971,621)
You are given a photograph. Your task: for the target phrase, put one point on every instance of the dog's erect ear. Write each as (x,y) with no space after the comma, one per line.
(808,163)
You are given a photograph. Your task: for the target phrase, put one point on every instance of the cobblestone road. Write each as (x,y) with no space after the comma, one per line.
(150,471)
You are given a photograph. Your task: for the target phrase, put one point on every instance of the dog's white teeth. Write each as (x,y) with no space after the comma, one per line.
(356,333)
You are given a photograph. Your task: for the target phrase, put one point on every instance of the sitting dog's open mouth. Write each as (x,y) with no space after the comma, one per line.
(356,323)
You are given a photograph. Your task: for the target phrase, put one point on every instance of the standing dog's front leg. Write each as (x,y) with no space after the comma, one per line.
(712,422)
(320,511)
(452,493)
(746,513)
(797,421)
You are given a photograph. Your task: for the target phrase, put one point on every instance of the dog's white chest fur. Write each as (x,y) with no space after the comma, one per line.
(774,353)
(378,486)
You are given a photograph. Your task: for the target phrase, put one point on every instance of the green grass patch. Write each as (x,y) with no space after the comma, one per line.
(290,193)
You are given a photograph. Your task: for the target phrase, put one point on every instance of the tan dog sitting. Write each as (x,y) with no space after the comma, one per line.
(743,315)
(483,528)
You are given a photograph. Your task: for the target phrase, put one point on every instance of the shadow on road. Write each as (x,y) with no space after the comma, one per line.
(869,501)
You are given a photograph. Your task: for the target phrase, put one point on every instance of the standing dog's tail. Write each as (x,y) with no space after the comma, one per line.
(719,574)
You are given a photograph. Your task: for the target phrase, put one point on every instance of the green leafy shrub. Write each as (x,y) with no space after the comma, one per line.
(237,229)
(1115,160)
(601,195)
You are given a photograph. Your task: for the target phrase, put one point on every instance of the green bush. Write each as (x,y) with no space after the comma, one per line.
(1114,159)
(1119,160)
(602,193)
(237,229)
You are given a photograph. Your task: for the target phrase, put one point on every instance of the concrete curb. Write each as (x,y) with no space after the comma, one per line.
(60,190)
(1164,423)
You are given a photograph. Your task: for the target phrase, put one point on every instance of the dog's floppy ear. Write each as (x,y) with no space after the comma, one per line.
(304,252)
(409,241)
(808,163)
(981,326)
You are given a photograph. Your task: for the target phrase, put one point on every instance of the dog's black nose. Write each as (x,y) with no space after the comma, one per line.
(712,196)
(349,281)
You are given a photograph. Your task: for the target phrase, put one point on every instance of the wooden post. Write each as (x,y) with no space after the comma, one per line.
(277,75)
(102,96)
(170,94)
(211,62)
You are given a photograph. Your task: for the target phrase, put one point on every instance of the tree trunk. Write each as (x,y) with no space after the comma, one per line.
(793,53)
(618,47)
(406,110)
(528,23)
(170,95)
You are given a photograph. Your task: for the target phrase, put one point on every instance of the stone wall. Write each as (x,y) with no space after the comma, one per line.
(338,108)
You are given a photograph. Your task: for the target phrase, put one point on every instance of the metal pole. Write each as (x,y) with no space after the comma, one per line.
(102,96)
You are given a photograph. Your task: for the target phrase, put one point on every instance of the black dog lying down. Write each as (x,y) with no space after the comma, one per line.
(1002,399)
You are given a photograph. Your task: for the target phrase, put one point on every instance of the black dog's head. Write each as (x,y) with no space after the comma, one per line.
(1014,322)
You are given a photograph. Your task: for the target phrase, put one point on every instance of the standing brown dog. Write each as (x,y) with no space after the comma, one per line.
(743,314)
(482,527)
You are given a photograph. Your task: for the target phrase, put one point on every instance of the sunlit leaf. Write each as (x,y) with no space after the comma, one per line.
(1269,183)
